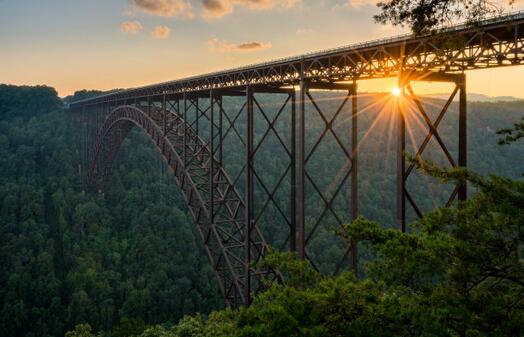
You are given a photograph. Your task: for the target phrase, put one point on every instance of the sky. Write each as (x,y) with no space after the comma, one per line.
(106,44)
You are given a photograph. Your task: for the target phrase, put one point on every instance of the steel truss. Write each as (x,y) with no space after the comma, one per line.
(403,173)
(217,209)
(192,120)
(348,170)
(228,212)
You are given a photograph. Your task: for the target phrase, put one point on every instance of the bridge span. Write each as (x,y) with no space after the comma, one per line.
(194,121)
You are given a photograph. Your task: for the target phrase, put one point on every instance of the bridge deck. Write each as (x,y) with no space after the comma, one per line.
(494,42)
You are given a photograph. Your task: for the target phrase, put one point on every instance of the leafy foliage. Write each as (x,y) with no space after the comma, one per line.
(458,273)
(423,16)
(81,330)
(512,135)
(26,101)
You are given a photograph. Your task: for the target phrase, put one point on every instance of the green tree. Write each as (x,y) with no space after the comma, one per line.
(81,330)
(423,16)
(512,135)
(128,327)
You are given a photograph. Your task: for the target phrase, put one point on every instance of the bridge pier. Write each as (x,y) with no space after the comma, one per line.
(249,188)
(253,145)
(354,172)
(305,154)
(403,173)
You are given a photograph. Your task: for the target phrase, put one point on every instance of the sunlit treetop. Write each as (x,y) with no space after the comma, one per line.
(424,16)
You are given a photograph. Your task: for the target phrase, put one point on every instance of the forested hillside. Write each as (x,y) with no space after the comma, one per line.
(130,257)
(67,257)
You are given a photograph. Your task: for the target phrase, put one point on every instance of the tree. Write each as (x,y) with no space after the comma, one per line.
(128,327)
(81,330)
(512,135)
(423,16)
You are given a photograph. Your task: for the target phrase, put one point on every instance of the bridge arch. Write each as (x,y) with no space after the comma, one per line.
(223,232)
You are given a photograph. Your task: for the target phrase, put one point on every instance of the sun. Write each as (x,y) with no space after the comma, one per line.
(396,92)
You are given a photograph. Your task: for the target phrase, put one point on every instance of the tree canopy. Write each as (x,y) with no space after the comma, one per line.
(423,16)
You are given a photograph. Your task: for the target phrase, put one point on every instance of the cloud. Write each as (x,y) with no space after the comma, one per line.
(131,27)
(212,9)
(225,46)
(216,8)
(249,46)
(161,32)
(168,8)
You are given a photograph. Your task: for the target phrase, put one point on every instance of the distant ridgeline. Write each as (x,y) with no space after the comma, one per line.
(132,256)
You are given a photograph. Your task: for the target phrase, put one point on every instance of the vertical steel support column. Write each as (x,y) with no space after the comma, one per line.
(211,160)
(220,132)
(184,142)
(463,136)
(90,115)
(401,163)
(301,240)
(354,171)
(197,115)
(249,190)
(82,145)
(164,113)
(293,196)
(85,159)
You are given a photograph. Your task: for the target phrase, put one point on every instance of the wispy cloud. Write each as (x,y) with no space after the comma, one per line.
(131,27)
(161,32)
(167,8)
(249,46)
(225,46)
(212,9)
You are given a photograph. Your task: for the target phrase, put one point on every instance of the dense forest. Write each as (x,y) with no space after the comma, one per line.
(123,262)
(70,257)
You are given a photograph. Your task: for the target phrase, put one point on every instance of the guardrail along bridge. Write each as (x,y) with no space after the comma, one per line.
(212,131)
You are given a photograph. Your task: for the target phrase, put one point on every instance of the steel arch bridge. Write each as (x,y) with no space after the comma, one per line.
(216,132)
